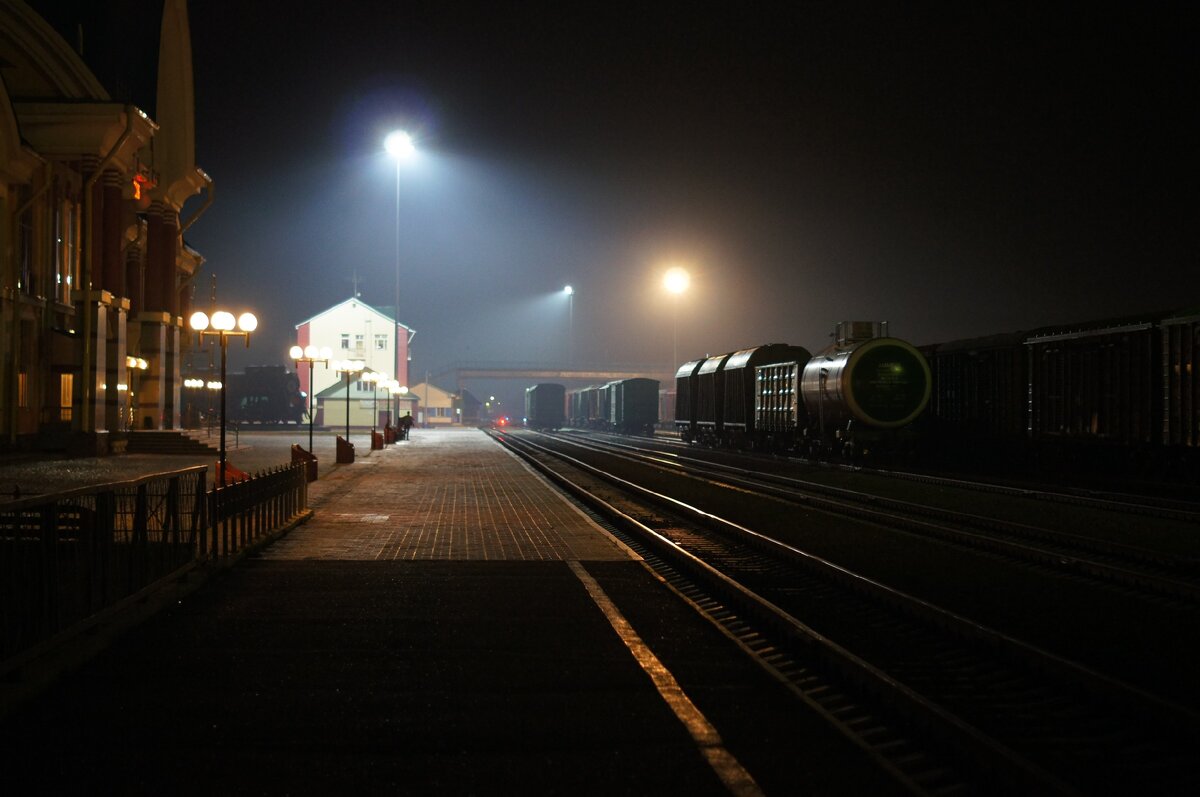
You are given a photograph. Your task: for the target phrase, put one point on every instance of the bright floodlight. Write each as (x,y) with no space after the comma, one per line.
(247,322)
(296,352)
(676,280)
(222,321)
(399,145)
(199,321)
(568,290)
(312,352)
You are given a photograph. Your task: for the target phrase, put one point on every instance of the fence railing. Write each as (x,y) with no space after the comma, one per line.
(243,511)
(66,556)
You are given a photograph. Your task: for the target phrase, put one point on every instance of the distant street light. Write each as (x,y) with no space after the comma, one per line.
(312,355)
(676,281)
(374,378)
(222,323)
(400,146)
(570,292)
(348,367)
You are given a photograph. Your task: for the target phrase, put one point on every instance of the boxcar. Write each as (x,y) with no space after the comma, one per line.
(633,405)
(685,399)
(779,416)
(980,388)
(740,394)
(1181,380)
(544,406)
(710,398)
(1102,383)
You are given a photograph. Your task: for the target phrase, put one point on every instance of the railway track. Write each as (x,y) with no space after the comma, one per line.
(943,703)
(1105,500)
(1130,566)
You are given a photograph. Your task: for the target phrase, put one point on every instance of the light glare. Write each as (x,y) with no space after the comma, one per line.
(399,145)
(676,280)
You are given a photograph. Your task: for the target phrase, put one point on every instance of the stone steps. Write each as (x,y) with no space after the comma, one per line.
(169,441)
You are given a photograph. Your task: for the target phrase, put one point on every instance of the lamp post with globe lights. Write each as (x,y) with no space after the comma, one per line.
(374,379)
(676,281)
(348,367)
(222,326)
(312,355)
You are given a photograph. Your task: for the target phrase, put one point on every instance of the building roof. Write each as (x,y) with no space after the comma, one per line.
(386,313)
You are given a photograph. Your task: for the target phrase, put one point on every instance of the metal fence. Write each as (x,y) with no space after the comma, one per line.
(244,511)
(66,556)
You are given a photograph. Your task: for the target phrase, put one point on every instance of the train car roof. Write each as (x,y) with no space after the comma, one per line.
(769,351)
(688,369)
(714,363)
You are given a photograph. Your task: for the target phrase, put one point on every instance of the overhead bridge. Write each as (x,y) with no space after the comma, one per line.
(543,373)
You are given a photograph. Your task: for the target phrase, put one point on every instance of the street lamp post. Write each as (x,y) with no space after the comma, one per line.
(676,281)
(222,323)
(374,378)
(312,355)
(570,292)
(348,367)
(400,147)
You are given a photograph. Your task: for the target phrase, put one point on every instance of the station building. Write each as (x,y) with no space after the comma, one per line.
(355,330)
(97,159)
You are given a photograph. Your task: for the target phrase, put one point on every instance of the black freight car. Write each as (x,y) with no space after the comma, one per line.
(740,394)
(1096,383)
(1181,379)
(685,399)
(633,405)
(1116,395)
(979,403)
(709,421)
(544,406)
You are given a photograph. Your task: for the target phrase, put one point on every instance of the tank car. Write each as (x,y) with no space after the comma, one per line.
(862,386)
(544,406)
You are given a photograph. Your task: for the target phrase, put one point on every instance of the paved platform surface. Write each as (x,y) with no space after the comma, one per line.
(445,624)
(447,495)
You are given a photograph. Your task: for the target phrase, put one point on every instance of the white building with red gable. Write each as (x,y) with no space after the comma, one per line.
(354,330)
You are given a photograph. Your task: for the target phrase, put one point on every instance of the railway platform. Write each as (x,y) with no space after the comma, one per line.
(446,623)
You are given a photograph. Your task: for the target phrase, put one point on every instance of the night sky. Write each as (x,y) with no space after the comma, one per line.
(956,171)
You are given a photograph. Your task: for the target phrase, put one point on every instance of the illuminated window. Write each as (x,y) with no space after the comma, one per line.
(66,390)
(358,341)
(23,390)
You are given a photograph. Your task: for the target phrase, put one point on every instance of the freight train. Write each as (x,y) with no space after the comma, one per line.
(861,394)
(1116,394)
(629,406)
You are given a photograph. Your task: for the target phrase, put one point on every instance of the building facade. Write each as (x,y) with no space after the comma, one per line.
(354,330)
(95,277)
